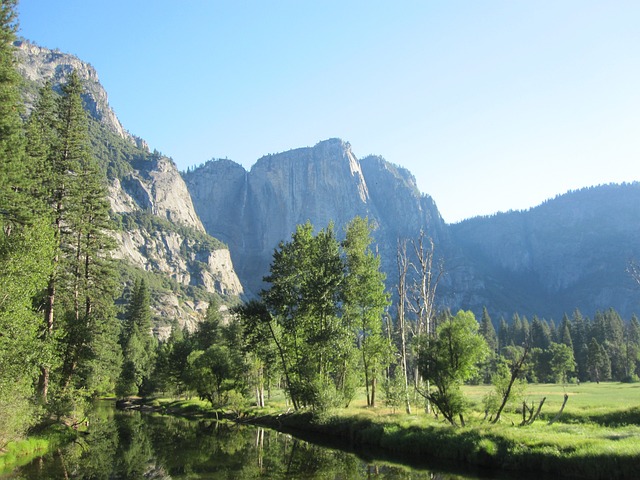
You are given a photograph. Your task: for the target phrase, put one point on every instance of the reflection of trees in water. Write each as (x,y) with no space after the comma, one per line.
(130,445)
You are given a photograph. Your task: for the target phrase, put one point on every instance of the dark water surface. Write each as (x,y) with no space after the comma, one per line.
(131,445)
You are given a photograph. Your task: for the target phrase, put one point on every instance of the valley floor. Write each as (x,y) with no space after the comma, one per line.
(597,436)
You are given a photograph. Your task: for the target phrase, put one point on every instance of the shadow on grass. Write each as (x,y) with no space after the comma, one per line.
(616,418)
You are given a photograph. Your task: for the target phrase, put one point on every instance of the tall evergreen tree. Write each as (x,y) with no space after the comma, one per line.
(564,335)
(632,349)
(580,339)
(25,247)
(13,174)
(83,274)
(503,334)
(488,331)
(137,341)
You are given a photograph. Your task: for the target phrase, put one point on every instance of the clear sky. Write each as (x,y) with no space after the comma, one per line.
(492,105)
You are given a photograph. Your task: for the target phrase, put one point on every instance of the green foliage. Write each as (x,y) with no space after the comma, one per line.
(501,380)
(323,313)
(138,343)
(26,247)
(394,390)
(449,359)
(562,362)
(314,343)
(365,302)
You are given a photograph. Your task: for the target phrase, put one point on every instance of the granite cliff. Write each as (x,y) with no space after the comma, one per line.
(570,252)
(253,211)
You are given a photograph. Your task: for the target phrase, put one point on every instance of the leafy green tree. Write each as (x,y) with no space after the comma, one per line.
(315,346)
(212,373)
(24,268)
(365,302)
(260,347)
(449,359)
(172,366)
(508,382)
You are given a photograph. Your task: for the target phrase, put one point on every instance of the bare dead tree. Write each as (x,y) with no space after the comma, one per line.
(423,291)
(403,268)
(557,417)
(530,410)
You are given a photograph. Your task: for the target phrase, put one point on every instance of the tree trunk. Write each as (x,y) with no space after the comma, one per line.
(373,391)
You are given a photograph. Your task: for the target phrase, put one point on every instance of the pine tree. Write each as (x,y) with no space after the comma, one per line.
(84,275)
(137,341)
(580,344)
(13,175)
(42,137)
(25,247)
(564,335)
(503,335)
(488,331)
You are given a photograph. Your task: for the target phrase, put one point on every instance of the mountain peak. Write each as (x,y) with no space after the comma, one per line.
(39,65)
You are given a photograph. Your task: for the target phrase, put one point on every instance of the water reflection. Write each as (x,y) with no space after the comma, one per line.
(130,445)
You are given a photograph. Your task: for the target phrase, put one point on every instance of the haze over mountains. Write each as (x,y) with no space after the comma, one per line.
(571,252)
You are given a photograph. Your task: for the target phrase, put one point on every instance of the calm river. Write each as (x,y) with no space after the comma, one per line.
(130,445)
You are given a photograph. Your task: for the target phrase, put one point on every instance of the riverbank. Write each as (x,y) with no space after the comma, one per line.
(21,452)
(587,446)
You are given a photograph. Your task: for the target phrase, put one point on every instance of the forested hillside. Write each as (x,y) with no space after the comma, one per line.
(570,252)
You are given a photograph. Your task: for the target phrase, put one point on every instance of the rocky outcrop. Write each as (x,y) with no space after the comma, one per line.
(568,253)
(39,65)
(158,188)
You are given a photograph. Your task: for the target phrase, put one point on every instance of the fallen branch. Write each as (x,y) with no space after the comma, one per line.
(566,398)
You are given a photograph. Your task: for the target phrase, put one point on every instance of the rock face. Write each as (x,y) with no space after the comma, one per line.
(570,252)
(161,233)
(38,65)
(158,188)
(253,211)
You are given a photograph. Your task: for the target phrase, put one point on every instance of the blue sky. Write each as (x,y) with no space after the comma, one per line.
(492,105)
